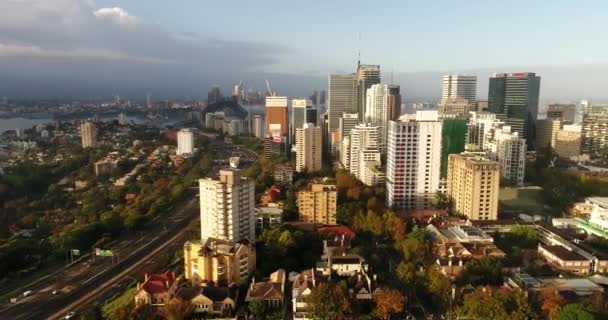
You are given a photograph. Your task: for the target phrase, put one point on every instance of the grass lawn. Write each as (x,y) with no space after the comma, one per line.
(117,302)
(526,199)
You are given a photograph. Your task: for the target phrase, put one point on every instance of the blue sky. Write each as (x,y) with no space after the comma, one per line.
(400,35)
(83,48)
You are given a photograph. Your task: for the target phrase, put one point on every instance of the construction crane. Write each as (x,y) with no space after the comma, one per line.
(270,92)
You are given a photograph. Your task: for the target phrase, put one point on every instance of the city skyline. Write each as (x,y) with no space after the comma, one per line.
(129,49)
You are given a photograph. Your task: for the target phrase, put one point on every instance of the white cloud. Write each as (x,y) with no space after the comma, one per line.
(117,14)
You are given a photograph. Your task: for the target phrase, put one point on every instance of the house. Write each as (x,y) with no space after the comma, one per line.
(268,216)
(216,300)
(156,290)
(362,287)
(271,291)
(345,265)
(303,283)
(218,261)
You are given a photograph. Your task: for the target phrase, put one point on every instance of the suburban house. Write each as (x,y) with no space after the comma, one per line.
(271,291)
(156,290)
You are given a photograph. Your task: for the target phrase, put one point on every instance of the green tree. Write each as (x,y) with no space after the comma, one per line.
(495,304)
(329,301)
(439,286)
(259,308)
(578,311)
(485,271)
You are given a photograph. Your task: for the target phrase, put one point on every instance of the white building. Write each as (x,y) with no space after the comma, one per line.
(459,86)
(479,127)
(185,142)
(88,134)
(509,150)
(370,171)
(227,207)
(309,148)
(413,160)
(362,137)
(258,126)
(599,212)
(377,111)
(345,153)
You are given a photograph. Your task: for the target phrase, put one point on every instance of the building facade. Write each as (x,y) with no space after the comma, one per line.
(594,133)
(309,148)
(413,161)
(185,142)
(362,137)
(509,150)
(88,135)
(546,131)
(473,186)
(277,124)
(516,96)
(459,86)
(381,107)
(227,207)
(342,98)
(318,204)
(568,141)
(367,76)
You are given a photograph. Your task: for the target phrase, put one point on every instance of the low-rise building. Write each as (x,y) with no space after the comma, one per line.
(303,284)
(268,216)
(271,291)
(156,290)
(565,260)
(216,300)
(218,261)
(104,167)
(283,174)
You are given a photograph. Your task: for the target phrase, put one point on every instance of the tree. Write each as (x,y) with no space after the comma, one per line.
(329,301)
(485,271)
(176,309)
(438,285)
(388,302)
(578,311)
(406,272)
(259,309)
(441,201)
(551,302)
(495,304)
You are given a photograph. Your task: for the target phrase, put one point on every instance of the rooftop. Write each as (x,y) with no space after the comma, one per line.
(563,253)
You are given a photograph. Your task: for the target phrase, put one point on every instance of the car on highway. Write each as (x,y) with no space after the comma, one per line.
(28,293)
(70,315)
(55,292)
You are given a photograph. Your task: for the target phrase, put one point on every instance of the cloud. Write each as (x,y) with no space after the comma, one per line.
(73,43)
(117,14)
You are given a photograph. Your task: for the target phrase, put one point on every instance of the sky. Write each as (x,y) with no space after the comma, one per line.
(97,48)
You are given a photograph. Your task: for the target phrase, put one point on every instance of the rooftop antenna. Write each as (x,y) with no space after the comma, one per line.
(359,52)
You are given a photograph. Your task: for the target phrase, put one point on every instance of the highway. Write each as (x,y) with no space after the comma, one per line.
(89,279)
(96,279)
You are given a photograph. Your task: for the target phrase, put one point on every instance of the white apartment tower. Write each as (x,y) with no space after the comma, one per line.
(362,137)
(377,111)
(459,86)
(309,147)
(185,142)
(509,150)
(413,160)
(227,207)
(88,134)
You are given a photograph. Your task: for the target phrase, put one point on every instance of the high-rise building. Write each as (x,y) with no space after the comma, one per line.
(594,135)
(227,207)
(457,86)
(276,117)
(215,95)
(369,167)
(509,150)
(185,142)
(568,141)
(367,76)
(478,128)
(515,95)
(258,126)
(381,105)
(342,98)
(473,186)
(453,138)
(122,119)
(347,122)
(312,116)
(546,131)
(362,137)
(318,203)
(413,160)
(298,114)
(88,134)
(564,112)
(309,148)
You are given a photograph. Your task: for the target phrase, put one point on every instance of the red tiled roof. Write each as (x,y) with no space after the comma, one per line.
(159,283)
(340,230)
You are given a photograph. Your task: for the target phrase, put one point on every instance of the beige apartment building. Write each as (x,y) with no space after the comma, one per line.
(568,141)
(473,186)
(309,148)
(219,261)
(546,133)
(318,204)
